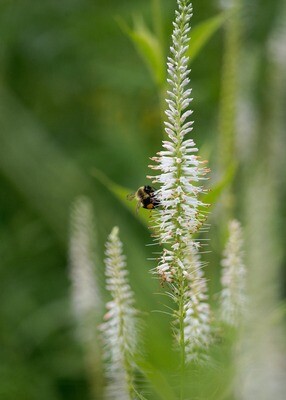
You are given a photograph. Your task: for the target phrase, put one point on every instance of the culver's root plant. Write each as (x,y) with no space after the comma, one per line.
(120,329)
(86,299)
(233,294)
(180,174)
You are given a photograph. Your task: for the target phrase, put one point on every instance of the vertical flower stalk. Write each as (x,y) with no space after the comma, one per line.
(85,294)
(119,329)
(227,154)
(233,295)
(179,173)
(229,84)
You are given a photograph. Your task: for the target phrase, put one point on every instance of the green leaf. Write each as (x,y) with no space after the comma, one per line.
(140,396)
(214,193)
(212,196)
(121,194)
(148,46)
(51,196)
(203,32)
(157,380)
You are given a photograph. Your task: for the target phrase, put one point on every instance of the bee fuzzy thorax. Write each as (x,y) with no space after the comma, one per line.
(146,197)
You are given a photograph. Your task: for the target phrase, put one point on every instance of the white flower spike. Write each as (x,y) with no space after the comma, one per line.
(179,168)
(179,173)
(233,297)
(85,290)
(86,298)
(119,329)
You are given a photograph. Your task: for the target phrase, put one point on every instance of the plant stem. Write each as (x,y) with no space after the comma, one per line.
(157,22)
(181,313)
(126,361)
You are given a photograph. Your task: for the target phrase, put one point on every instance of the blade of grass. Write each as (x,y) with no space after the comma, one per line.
(203,32)
(121,194)
(158,381)
(212,196)
(148,46)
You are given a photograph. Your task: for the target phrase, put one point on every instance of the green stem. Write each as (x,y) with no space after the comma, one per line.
(228,103)
(127,366)
(182,339)
(122,329)
(157,22)
(180,287)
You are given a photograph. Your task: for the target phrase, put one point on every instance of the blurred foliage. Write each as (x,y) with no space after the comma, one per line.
(153,52)
(74,97)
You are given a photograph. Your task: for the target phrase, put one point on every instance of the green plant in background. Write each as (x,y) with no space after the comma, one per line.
(228,115)
(229,85)
(151,45)
(86,295)
(233,280)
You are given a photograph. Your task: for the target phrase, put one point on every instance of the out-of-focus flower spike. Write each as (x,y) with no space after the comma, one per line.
(85,293)
(233,297)
(86,298)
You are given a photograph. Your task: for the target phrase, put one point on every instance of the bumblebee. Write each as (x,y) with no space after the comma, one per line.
(146,198)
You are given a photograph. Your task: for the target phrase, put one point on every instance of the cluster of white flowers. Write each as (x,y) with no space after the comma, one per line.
(179,172)
(179,169)
(233,296)
(119,329)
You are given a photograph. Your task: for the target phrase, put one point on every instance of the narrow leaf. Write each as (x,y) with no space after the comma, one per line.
(121,194)
(148,46)
(203,32)
(158,381)
(140,396)
(213,195)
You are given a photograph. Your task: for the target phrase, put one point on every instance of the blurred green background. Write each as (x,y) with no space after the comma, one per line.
(74,96)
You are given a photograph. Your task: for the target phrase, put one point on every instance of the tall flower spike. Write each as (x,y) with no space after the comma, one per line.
(179,169)
(179,172)
(86,299)
(233,296)
(85,293)
(119,329)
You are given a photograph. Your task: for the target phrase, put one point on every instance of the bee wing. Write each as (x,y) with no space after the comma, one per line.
(138,206)
(130,196)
